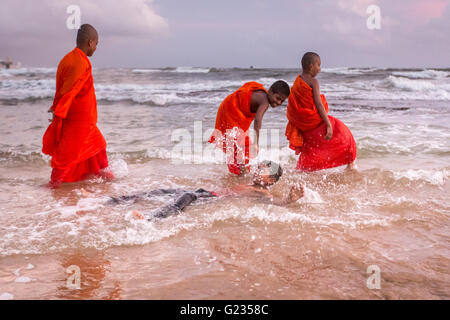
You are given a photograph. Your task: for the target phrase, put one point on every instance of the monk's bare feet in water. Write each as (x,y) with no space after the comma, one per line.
(351,166)
(54,184)
(138,215)
(84,193)
(106,174)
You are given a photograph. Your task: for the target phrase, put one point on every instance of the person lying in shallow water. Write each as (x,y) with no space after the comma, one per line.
(266,174)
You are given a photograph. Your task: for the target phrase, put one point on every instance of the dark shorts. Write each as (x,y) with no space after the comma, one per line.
(183,199)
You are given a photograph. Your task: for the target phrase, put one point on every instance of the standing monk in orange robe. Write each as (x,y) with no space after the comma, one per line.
(235,116)
(322,140)
(76,145)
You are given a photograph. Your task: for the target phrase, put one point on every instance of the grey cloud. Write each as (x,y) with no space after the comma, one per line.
(234,33)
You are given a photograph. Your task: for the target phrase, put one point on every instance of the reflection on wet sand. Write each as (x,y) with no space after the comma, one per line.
(93,267)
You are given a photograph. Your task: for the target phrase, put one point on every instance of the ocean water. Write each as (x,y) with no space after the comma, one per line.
(392,213)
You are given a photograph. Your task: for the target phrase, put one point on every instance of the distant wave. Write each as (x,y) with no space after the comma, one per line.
(406,73)
(146,70)
(129,85)
(349,71)
(424,74)
(178,70)
(26,89)
(26,71)
(417,85)
(192,70)
(389,88)
(12,91)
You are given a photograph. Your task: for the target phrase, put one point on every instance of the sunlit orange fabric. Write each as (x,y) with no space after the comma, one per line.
(306,132)
(302,113)
(234,112)
(73,136)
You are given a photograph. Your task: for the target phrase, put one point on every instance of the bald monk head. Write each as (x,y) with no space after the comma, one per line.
(87,39)
(308,60)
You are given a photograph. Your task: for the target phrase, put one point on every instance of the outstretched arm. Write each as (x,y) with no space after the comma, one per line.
(321,109)
(296,192)
(258,120)
(260,103)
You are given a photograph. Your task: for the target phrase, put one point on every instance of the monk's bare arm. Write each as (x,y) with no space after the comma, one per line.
(320,108)
(259,99)
(296,192)
(258,120)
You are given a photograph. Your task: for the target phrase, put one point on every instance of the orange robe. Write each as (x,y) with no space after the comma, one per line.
(306,131)
(232,123)
(76,145)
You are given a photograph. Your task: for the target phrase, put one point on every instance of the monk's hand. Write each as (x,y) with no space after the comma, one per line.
(53,114)
(138,215)
(296,193)
(329,134)
(254,150)
(84,192)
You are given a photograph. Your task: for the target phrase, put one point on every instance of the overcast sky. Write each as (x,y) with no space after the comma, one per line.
(231,33)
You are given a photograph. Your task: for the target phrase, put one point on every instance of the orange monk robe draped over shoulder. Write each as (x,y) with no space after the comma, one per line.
(72,139)
(233,120)
(306,131)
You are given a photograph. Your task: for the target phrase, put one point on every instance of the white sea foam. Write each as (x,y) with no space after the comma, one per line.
(177,70)
(101,226)
(310,196)
(119,168)
(274,214)
(159,94)
(424,74)
(389,88)
(145,70)
(267,82)
(211,154)
(6,296)
(402,140)
(348,71)
(26,89)
(408,84)
(69,229)
(26,71)
(428,85)
(191,70)
(23,279)
(435,177)
(164,94)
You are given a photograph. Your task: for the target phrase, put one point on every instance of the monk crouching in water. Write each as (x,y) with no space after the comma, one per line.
(73,140)
(265,175)
(235,115)
(322,140)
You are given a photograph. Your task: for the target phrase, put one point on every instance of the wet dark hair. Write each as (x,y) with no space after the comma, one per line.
(308,58)
(275,169)
(280,87)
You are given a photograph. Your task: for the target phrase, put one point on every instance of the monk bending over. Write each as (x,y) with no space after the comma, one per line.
(266,175)
(76,145)
(235,115)
(322,140)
